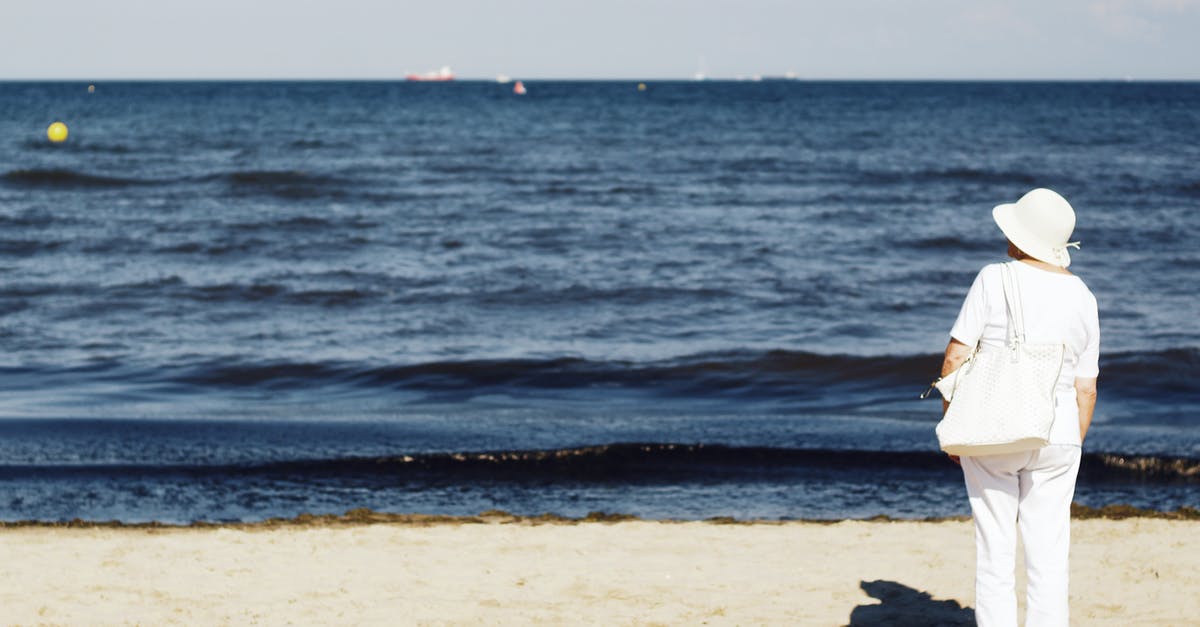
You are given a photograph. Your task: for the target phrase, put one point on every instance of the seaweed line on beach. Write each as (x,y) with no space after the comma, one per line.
(366,516)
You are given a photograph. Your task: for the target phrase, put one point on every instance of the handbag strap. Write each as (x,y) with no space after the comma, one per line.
(1012,300)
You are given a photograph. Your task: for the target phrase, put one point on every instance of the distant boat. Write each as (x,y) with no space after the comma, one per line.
(502,78)
(443,74)
(519,88)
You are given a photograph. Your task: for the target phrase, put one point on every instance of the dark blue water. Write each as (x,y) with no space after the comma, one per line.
(241,300)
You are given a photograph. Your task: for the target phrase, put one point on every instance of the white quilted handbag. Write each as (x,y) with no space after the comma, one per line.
(1002,399)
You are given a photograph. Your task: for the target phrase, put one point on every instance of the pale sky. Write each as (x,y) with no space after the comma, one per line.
(851,39)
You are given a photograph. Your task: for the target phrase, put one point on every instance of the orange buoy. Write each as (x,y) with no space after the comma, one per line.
(519,88)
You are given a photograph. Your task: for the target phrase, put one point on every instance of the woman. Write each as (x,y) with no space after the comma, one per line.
(1030,491)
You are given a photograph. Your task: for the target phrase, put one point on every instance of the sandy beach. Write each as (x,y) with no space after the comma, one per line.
(503,570)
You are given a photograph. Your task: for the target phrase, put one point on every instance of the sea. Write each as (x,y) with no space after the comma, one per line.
(234,301)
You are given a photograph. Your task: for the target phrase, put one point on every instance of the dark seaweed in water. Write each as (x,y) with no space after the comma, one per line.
(646,462)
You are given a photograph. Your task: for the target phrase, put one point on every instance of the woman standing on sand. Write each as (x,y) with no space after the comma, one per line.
(1031,490)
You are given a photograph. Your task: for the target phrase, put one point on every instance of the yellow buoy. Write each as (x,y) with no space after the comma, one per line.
(57,132)
(641,87)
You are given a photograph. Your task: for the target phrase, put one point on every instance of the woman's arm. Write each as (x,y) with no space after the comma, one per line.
(1085,398)
(956,354)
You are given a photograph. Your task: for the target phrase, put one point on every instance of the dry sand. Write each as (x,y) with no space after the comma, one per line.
(504,571)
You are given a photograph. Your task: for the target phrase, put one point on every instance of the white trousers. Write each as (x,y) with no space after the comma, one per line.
(1031,491)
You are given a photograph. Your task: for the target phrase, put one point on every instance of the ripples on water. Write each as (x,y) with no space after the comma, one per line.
(588,255)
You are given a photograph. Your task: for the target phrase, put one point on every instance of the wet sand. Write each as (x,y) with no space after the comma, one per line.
(497,569)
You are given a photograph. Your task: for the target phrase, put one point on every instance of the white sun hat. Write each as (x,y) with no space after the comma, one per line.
(1040,223)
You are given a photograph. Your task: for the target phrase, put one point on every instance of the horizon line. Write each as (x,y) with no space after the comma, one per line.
(772,78)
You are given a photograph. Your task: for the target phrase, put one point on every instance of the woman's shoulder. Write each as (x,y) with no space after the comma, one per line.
(990,272)
(1083,287)
(992,276)
(1087,292)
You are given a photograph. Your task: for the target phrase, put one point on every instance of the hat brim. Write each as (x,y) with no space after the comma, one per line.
(1005,218)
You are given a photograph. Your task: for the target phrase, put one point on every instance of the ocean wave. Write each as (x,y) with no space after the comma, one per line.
(305,223)
(172,286)
(950,243)
(634,190)
(284,183)
(953,175)
(274,292)
(476,167)
(794,378)
(1147,185)
(763,164)
(110,149)
(1190,189)
(315,143)
(26,247)
(1157,375)
(213,249)
(577,294)
(270,178)
(770,374)
(623,462)
(289,184)
(63,178)
(96,148)
(35,218)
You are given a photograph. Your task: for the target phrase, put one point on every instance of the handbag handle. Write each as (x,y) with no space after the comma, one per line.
(1012,299)
(1015,329)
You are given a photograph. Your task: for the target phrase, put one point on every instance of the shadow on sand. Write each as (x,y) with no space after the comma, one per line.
(900,605)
